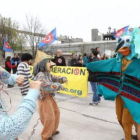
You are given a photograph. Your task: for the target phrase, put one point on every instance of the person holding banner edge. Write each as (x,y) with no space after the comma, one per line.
(48,109)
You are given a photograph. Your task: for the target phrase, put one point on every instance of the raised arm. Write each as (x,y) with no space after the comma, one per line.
(23,69)
(10,66)
(102,66)
(6,77)
(48,86)
(13,126)
(59,79)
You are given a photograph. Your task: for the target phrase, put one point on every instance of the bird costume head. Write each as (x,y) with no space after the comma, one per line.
(129,45)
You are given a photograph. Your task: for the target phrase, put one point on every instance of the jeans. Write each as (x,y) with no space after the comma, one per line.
(96,97)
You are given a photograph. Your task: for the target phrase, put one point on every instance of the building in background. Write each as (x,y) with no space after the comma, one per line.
(109,35)
(67,39)
(94,35)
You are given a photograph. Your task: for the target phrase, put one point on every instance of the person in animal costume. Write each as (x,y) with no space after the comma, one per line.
(119,78)
(48,108)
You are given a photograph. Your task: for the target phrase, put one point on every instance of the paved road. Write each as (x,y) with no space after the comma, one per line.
(79,121)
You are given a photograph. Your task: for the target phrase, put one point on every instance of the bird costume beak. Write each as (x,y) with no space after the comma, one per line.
(125,51)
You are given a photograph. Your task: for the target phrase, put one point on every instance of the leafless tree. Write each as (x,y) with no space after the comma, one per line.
(21,41)
(33,32)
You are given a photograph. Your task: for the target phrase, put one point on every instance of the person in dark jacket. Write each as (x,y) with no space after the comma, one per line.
(80,61)
(93,81)
(90,55)
(73,61)
(59,60)
(98,50)
(8,67)
(15,61)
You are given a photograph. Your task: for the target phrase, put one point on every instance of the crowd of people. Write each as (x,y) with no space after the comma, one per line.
(42,85)
(21,67)
(82,61)
(48,109)
(77,60)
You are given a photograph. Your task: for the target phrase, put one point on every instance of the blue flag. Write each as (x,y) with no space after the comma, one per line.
(49,39)
(6,46)
(120,32)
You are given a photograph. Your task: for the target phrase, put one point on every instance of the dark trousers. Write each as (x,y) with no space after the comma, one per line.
(14,70)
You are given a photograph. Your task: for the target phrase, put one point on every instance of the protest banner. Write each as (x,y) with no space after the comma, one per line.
(77,80)
(31,69)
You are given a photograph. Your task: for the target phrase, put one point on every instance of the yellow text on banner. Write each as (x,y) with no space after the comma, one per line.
(77,80)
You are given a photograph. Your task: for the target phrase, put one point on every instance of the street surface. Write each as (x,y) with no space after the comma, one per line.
(79,121)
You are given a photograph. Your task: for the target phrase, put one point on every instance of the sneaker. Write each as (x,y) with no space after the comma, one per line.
(10,86)
(94,103)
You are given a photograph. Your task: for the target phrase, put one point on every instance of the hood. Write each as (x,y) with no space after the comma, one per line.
(131,40)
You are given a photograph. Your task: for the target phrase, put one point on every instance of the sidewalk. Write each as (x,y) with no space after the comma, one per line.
(79,121)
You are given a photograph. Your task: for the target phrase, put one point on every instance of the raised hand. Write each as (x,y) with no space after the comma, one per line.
(20,80)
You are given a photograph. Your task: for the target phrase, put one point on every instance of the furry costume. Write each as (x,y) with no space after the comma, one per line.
(119,78)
